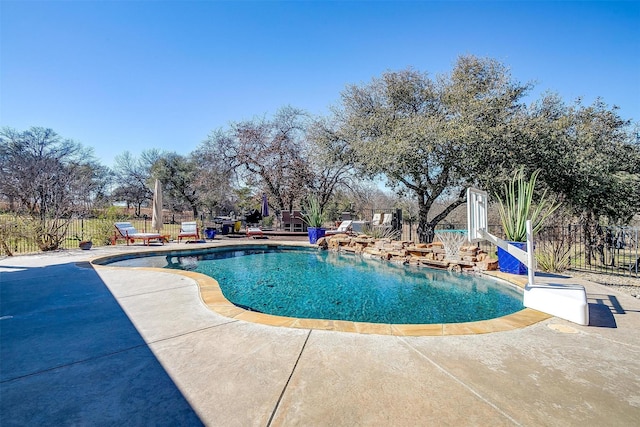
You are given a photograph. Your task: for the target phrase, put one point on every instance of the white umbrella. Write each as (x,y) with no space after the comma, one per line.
(156,219)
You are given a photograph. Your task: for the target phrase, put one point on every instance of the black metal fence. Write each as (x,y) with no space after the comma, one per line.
(18,234)
(609,249)
(600,249)
(603,249)
(606,249)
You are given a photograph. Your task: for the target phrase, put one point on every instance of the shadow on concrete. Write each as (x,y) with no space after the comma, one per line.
(603,308)
(601,316)
(71,356)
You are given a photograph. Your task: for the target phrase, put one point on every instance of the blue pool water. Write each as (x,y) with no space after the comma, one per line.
(325,285)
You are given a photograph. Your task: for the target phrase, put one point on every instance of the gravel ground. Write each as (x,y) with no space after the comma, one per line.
(626,284)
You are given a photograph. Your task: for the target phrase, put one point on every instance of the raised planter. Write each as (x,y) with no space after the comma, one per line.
(510,264)
(315,233)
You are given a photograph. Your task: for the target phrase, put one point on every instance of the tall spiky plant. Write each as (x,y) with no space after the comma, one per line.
(381,232)
(518,206)
(314,215)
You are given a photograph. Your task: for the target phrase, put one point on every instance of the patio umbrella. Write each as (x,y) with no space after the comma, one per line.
(156,218)
(265,205)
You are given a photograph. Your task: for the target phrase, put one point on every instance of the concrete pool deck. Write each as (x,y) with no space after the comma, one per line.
(84,345)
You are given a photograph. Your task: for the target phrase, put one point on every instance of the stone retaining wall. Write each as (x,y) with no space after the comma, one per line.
(404,252)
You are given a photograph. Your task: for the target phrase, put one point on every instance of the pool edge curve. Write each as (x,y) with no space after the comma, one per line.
(212,297)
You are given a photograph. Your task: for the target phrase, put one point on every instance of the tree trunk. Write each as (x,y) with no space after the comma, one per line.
(425,228)
(594,242)
(426,232)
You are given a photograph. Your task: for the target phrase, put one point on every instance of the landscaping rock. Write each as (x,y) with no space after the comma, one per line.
(402,252)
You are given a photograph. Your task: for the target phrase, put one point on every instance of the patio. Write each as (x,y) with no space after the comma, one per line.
(94,346)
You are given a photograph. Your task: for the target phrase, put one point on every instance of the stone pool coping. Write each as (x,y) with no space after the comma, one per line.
(211,295)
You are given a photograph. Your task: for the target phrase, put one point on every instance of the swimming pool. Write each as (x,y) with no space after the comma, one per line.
(312,284)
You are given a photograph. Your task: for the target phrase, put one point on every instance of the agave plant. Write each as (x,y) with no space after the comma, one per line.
(554,256)
(314,215)
(381,232)
(518,207)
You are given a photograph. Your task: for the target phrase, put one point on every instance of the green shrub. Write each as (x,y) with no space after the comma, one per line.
(381,232)
(553,256)
(48,234)
(104,227)
(267,221)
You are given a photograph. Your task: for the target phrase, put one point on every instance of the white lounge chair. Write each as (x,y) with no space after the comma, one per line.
(126,231)
(189,229)
(343,228)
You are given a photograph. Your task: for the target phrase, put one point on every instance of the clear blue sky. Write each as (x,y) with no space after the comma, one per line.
(133,75)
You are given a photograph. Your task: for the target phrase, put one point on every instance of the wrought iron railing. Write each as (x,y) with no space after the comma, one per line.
(605,249)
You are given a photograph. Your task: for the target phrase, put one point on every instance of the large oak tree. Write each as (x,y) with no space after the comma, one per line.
(421,133)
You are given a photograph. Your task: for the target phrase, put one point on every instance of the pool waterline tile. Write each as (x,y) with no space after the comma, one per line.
(214,299)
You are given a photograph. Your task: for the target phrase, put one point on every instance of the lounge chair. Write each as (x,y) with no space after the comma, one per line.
(189,229)
(343,228)
(255,232)
(387,220)
(376,219)
(292,221)
(297,222)
(286,220)
(126,231)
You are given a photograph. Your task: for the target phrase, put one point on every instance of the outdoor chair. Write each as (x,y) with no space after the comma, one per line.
(297,223)
(343,228)
(189,229)
(387,220)
(376,219)
(126,231)
(286,221)
(255,232)
(292,221)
